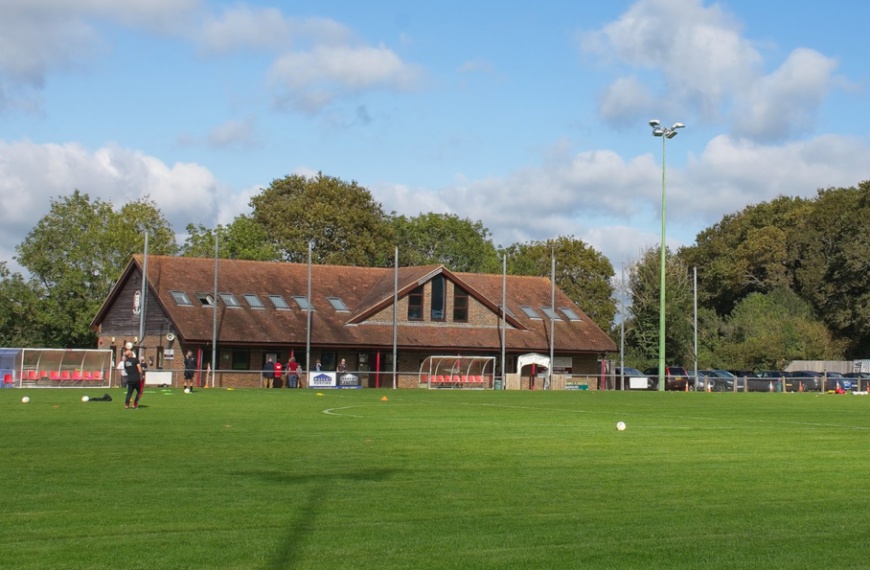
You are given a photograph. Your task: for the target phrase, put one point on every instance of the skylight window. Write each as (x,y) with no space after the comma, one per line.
(302,301)
(279,302)
(253,301)
(337,304)
(530,312)
(551,314)
(569,312)
(230,300)
(206,299)
(181,297)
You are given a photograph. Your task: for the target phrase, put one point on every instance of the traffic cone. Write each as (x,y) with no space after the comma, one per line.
(771,387)
(687,385)
(800,386)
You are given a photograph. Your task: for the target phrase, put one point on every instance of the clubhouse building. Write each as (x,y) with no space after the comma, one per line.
(446,329)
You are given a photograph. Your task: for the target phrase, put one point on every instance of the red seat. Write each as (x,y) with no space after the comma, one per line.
(86,375)
(54,376)
(32,374)
(76,375)
(440,379)
(464,379)
(98,375)
(8,379)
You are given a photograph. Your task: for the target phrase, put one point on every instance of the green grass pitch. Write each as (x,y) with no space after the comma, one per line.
(434,479)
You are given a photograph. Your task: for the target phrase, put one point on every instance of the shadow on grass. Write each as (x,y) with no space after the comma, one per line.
(287,553)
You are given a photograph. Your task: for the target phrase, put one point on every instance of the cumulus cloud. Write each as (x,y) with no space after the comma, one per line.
(38,37)
(700,63)
(33,174)
(311,79)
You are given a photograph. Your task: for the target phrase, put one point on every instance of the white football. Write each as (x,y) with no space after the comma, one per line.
(620,426)
(187,390)
(25,399)
(85,398)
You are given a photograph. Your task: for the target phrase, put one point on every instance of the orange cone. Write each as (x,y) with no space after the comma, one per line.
(800,386)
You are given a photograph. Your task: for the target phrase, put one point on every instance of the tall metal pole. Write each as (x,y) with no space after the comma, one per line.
(622,329)
(503,317)
(695,286)
(310,310)
(665,133)
(662,282)
(395,318)
(143,297)
(214,308)
(552,318)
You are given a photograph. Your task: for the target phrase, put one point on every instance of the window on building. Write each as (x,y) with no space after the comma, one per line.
(437,308)
(337,304)
(530,312)
(230,300)
(507,311)
(241,359)
(279,303)
(551,314)
(181,298)
(460,305)
(415,304)
(206,299)
(253,301)
(302,301)
(569,312)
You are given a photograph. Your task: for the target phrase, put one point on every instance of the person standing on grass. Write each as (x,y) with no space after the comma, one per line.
(268,373)
(134,377)
(292,373)
(189,369)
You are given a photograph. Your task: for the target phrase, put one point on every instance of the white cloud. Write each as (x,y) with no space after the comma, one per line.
(38,37)
(700,64)
(33,174)
(311,79)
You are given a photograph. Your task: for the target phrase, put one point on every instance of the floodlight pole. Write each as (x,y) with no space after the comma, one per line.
(665,133)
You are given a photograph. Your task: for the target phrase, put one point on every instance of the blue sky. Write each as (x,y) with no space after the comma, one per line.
(528,116)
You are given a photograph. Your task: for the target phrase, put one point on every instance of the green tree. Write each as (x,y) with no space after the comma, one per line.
(20,322)
(582,273)
(457,243)
(767,330)
(831,263)
(77,251)
(343,220)
(747,252)
(643,325)
(242,239)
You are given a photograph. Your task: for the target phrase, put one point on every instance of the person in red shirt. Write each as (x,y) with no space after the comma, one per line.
(292,373)
(278,369)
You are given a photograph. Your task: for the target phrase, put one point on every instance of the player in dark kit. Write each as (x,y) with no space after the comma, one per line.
(134,377)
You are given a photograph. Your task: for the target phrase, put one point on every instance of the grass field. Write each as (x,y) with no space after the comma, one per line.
(434,479)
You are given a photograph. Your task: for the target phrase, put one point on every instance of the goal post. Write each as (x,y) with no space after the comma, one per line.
(458,372)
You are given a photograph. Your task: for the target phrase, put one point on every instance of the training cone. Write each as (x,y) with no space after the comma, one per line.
(384,399)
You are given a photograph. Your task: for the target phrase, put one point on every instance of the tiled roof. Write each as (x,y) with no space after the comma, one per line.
(366,291)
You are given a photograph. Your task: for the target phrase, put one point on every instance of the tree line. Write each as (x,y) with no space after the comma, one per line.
(77,251)
(777,281)
(783,280)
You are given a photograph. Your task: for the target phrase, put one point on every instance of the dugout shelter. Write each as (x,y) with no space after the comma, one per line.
(55,367)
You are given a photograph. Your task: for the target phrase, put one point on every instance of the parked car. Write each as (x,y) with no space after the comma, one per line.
(755,383)
(704,379)
(834,380)
(634,379)
(779,377)
(856,380)
(676,377)
(722,380)
(805,380)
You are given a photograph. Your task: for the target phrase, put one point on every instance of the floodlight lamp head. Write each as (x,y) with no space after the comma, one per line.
(678,126)
(658,132)
(654,123)
(671,134)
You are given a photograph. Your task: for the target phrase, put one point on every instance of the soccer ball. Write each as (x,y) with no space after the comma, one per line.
(187,390)
(85,398)
(25,399)
(620,426)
